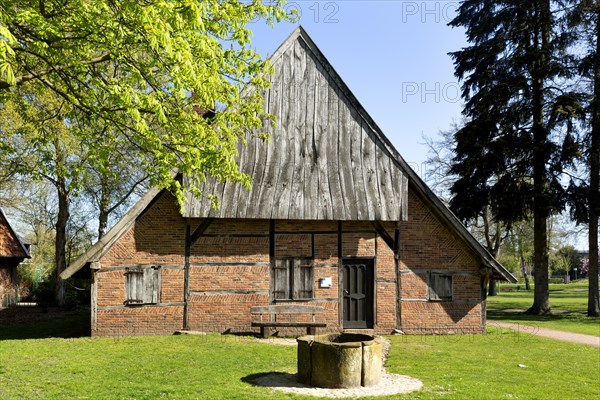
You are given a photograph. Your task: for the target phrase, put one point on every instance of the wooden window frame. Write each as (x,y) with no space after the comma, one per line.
(142,285)
(433,293)
(293,266)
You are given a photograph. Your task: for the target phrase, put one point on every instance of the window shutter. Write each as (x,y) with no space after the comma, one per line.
(151,289)
(293,279)
(281,280)
(134,283)
(303,279)
(446,285)
(440,286)
(142,285)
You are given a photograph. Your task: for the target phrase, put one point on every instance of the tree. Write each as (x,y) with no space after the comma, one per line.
(34,214)
(35,120)
(564,259)
(113,181)
(594,196)
(138,72)
(506,158)
(517,252)
(584,19)
(144,68)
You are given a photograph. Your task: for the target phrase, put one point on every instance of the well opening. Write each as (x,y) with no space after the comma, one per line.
(340,360)
(350,337)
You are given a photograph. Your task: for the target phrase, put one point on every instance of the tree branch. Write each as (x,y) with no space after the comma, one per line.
(37,75)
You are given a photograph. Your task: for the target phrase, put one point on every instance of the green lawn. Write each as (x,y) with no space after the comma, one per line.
(221,367)
(562,296)
(576,322)
(568,302)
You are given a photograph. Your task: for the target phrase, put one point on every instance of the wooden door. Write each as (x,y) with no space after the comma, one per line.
(358,293)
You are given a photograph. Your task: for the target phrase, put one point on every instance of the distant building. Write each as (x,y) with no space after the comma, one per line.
(12,252)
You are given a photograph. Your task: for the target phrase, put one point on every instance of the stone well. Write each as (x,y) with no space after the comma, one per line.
(340,360)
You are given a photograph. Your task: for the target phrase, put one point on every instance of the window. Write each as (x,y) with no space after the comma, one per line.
(293,279)
(440,286)
(142,285)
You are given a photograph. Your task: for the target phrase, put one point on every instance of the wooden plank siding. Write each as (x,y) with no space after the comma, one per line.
(325,160)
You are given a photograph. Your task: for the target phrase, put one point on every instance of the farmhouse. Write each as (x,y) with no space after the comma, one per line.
(12,253)
(335,219)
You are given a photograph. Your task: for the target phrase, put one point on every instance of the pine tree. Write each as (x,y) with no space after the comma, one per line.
(505,156)
(584,21)
(594,197)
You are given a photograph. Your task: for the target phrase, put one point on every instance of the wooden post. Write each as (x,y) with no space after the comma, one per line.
(396,250)
(271,259)
(94,267)
(340,277)
(186,275)
(94,301)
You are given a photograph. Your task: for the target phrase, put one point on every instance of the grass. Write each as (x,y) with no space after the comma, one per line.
(568,302)
(575,322)
(487,366)
(563,297)
(222,367)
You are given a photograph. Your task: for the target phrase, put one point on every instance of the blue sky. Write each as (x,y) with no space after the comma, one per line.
(393,57)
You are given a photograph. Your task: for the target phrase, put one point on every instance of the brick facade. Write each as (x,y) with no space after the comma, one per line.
(427,245)
(230,271)
(11,255)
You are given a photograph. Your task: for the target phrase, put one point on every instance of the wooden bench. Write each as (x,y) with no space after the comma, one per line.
(289,309)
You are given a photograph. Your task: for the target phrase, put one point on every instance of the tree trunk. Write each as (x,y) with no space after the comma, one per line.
(594,196)
(493,243)
(103,208)
(541,297)
(61,239)
(62,218)
(541,303)
(524,271)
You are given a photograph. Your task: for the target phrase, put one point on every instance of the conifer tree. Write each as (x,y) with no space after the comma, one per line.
(506,158)
(584,24)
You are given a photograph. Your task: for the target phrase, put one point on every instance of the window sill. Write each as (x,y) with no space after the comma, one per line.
(134,303)
(293,300)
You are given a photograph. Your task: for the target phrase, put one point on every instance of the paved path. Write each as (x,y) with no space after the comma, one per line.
(550,333)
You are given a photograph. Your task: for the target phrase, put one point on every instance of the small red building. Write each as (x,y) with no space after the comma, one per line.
(335,218)
(12,253)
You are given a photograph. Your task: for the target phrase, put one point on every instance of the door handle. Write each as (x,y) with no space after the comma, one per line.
(346,292)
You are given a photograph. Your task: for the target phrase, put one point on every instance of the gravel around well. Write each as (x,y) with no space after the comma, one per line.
(390,384)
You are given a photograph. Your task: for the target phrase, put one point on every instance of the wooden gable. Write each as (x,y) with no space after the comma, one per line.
(326,158)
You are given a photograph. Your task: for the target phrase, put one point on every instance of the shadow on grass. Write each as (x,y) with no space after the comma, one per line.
(17,323)
(272,379)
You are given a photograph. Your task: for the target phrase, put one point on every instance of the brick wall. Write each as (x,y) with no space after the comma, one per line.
(138,321)
(230,271)
(11,255)
(157,238)
(426,245)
